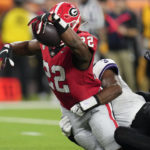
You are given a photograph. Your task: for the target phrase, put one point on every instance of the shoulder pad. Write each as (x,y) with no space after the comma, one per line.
(102,65)
(89,39)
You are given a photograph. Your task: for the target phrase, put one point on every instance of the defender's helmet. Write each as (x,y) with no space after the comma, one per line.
(69,13)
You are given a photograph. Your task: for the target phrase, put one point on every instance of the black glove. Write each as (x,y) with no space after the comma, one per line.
(6,54)
(147,55)
(61,26)
(41,20)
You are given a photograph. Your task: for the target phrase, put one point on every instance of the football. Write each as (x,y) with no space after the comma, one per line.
(49,37)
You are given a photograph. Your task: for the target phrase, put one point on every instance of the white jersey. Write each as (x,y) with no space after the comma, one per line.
(128,103)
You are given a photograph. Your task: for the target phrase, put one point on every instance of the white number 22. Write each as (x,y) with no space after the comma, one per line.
(57,79)
(89,39)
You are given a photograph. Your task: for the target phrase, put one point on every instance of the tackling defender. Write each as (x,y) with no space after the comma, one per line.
(69,69)
(129,109)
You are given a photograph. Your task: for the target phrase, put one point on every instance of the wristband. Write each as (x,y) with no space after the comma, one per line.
(89,103)
(60,24)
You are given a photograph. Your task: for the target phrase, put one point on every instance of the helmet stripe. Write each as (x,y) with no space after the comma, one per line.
(74,21)
(58,6)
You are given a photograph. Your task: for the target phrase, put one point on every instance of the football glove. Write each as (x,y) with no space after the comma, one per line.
(41,22)
(60,24)
(65,126)
(147,55)
(6,54)
(82,107)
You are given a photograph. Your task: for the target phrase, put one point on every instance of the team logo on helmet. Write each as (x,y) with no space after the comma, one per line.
(73,12)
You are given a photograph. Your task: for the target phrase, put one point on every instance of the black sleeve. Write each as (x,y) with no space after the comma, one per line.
(131,139)
(146,95)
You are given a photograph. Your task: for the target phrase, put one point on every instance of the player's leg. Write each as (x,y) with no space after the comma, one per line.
(81,131)
(103,127)
(87,140)
(131,139)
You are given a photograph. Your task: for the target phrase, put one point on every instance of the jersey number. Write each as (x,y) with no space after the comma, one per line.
(57,79)
(89,39)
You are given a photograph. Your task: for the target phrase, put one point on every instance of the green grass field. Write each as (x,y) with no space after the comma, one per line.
(31,129)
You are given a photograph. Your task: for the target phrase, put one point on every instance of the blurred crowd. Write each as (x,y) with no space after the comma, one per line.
(123,31)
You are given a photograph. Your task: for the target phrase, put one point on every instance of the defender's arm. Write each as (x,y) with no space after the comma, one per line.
(111,87)
(111,90)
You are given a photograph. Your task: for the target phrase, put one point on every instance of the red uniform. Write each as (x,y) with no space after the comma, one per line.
(69,84)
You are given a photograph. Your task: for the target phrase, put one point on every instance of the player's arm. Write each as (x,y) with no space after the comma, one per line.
(18,48)
(111,90)
(81,52)
(79,49)
(107,71)
(25,48)
(111,87)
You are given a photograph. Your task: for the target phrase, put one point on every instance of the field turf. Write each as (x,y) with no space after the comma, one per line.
(32,129)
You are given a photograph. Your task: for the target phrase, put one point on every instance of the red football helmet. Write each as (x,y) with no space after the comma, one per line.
(69,13)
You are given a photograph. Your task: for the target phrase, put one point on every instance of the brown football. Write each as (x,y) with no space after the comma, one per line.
(49,37)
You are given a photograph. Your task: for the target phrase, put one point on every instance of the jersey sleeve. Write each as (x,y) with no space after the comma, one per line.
(90,40)
(102,65)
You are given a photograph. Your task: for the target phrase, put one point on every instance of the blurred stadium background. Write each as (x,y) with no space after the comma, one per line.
(29,112)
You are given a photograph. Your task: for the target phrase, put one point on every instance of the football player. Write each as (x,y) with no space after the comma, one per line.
(69,69)
(130,109)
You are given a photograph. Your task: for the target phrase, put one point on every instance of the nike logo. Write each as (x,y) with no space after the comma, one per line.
(4,51)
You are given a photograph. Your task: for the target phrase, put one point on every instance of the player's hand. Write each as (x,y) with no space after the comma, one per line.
(147,55)
(49,17)
(6,54)
(45,18)
(41,21)
(65,126)
(54,19)
(82,107)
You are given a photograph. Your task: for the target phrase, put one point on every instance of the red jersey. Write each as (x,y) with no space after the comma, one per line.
(70,84)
